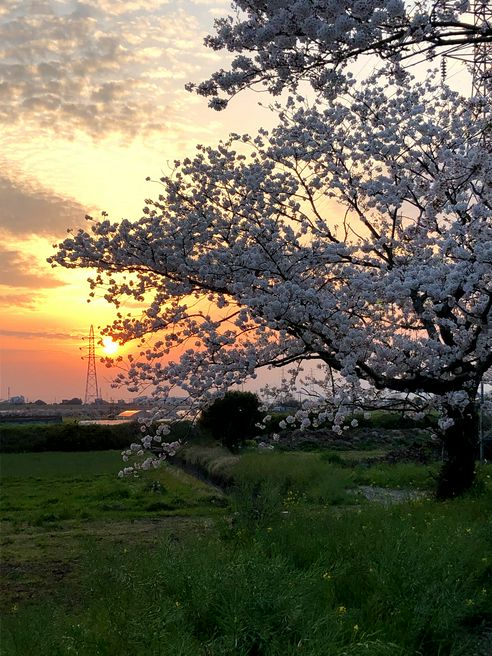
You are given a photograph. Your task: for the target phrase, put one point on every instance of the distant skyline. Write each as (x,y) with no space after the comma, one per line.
(92,101)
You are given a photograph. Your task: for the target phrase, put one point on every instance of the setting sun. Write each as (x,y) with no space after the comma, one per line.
(109,346)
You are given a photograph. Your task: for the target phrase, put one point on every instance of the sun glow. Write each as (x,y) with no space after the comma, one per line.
(109,346)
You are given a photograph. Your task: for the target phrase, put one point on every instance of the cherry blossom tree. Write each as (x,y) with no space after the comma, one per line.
(283,42)
(356,235)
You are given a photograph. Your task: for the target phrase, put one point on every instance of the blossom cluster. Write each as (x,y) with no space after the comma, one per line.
(150,453)
(282,42)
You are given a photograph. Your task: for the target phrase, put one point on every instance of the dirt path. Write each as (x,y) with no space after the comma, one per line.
(389,496)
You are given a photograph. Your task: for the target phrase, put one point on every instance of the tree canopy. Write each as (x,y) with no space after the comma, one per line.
(356,234)
(232,419)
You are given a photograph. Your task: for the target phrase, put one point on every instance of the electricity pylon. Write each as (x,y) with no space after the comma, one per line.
(482,70)
(482,54)
(477,53)
(477,56)
(91,388)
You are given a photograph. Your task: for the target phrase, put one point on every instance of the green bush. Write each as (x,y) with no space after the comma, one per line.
(391,420)
(232,419)
(184,431)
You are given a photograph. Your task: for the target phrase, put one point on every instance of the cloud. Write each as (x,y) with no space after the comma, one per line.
(27,208)
(223,5)
(20,270)
(24,301)
(94,65)
(23,334)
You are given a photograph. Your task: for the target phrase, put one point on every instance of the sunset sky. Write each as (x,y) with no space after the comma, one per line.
(92,101)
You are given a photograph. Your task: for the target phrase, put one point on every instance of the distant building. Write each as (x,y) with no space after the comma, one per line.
(74,401)
(17,400)
(130,415)
(288,404)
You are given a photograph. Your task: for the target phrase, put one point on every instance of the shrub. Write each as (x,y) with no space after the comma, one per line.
(212,462)
(391,420)
(232,419)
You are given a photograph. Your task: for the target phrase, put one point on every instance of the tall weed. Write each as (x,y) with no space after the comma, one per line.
(300,477)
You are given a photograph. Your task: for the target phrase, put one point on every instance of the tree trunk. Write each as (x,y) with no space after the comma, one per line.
(460,447)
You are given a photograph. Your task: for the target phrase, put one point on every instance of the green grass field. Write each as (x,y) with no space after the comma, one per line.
(295,563)
(59,464)
(46,488)
(52,503)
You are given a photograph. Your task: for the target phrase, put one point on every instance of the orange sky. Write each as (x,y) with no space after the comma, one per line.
(94,103)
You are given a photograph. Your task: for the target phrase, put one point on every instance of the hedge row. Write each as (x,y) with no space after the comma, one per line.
(65,437)
(71,436)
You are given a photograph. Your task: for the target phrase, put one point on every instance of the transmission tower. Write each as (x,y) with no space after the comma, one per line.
(482,55)
(91,388)
(482,70)
(477,55)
